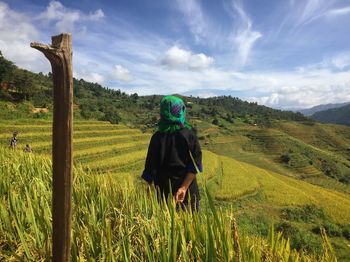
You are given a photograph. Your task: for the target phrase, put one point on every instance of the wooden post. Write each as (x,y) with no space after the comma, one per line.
(59,53)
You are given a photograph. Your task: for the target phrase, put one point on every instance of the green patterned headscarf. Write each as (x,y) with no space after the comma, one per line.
(172,115)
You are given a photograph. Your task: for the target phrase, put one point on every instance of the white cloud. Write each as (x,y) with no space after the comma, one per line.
(177,57)
(305,89)
(244,36)
(97,15)
(90,76)
(16,33)
(95,77)
(296,88)
(121,74)
(341,61)
(89,68)
(200,61)
(19,29)
(65,18)
(294,97)
(201,93)
(206,95)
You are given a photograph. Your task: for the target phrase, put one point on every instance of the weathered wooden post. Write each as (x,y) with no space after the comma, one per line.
(59,53)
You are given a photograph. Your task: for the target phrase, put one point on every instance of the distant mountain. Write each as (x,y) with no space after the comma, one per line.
(340,115)
(313,110)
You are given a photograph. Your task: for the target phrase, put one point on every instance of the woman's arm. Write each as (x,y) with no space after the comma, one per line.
(181,192)
(151,161)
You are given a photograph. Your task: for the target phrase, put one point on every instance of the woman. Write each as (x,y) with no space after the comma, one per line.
(174,155)
(13,142)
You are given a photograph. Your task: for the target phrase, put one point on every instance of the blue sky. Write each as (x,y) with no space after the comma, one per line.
(284,54)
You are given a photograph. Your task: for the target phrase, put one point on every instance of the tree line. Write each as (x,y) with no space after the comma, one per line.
(93,101)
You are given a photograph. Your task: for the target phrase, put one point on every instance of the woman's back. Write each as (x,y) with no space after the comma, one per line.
(174,154)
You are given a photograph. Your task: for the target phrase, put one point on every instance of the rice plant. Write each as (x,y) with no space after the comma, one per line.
(114,221)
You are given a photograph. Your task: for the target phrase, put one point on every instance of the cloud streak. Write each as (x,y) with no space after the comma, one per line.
(243,36)
(339,11)
(314,10)
(194,17)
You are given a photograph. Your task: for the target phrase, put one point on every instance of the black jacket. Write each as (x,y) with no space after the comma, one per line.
(169,160)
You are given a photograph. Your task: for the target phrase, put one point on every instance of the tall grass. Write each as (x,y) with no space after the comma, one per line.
(115,221)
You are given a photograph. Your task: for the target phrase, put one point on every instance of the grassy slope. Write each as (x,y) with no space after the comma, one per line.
(318,153)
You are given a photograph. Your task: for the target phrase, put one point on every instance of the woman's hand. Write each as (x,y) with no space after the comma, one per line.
(180,194)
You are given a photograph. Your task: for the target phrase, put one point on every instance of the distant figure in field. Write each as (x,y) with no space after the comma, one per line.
(13,143)
(28,149)
(174,155)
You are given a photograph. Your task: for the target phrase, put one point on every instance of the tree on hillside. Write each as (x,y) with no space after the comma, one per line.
(24,83)
(215,122)
(111,115)
(134,97)
(6,69)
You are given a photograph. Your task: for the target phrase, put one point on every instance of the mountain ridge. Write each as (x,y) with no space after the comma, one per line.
(322,107)
(339,115)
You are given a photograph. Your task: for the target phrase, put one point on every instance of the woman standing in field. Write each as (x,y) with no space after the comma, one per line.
(174,155)
(13,142)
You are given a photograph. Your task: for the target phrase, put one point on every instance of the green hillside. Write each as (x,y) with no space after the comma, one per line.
(260,189)
(340,115)
(317,153)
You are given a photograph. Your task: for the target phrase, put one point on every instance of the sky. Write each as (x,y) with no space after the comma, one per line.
(284,54)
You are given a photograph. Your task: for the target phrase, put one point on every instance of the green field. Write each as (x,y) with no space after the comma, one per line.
(238,172)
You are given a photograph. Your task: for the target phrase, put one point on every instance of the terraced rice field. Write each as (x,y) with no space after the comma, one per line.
(240,180)
(334,138)
(275,143)
(98,146)
(117,149)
